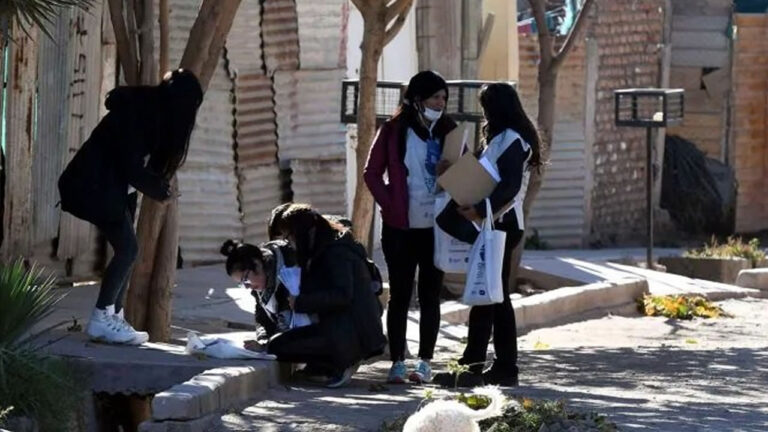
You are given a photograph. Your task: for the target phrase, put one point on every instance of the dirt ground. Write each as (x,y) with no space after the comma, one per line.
(643,373)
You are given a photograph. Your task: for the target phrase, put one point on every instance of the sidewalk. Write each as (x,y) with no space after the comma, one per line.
(645,374)
(206,300)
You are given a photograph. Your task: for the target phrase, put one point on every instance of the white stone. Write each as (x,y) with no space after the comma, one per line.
(753,278)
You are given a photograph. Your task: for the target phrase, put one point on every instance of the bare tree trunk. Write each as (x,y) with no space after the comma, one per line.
(126,47)
(382,21)
(372,47)
(549,66)
(149,305)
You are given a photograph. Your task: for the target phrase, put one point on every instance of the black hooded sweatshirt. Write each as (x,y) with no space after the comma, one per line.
(94,186)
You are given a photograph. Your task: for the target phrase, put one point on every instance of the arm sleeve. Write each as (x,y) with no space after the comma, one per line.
(376,166)
(131,162)
(510,165)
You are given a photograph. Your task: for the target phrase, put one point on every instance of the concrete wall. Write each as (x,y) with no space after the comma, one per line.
(750,133)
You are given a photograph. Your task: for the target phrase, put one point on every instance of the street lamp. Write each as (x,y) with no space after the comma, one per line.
(649,108)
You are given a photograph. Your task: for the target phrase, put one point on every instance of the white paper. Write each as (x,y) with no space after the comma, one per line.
(291,278)
(221,348)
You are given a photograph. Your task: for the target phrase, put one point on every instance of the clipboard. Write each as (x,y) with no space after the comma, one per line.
(467,181)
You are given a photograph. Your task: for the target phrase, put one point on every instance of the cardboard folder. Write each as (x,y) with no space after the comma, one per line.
(467,181)
(454,143)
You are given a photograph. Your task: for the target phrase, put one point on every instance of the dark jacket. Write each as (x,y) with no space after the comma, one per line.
(388,156)
(337,287)
(94,186)
(510,163)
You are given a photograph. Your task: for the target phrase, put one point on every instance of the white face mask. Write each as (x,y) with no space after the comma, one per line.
(431,115)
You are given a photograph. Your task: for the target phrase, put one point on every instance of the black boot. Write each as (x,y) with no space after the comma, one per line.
(466,379)
(500,377)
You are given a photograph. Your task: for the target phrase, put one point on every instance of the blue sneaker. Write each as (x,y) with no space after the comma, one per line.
(397,373)
(422,374)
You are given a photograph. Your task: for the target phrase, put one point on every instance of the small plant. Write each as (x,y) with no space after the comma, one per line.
(530,415)
(457,369)
(734,247)
(679,307)
(534,242)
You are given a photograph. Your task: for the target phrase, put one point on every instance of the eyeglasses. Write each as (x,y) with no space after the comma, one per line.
(245,281)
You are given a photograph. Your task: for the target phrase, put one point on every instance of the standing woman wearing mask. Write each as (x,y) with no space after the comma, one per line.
(138,145)
(406,151)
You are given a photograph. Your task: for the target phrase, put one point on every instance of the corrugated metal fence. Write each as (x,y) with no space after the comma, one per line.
(273,103)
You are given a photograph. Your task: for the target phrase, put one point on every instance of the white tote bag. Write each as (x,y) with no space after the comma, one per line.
(451,255)
(486,258)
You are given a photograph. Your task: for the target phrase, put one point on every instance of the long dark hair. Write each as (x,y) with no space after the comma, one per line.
(180,95)
(503,110)
(421,87)
(311,231)
(241,256)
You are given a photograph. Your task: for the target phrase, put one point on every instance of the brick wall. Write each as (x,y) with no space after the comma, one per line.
(570,82)
(627,33)
(750,134)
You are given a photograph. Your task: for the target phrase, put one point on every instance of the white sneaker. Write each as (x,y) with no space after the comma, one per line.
(103,328)
(139,337)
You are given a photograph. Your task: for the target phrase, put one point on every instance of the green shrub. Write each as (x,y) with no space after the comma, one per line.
(26,298)
(679,307)
(734,247)
(37,386)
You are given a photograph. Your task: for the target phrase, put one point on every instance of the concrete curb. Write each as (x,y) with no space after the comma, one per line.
(564,305)
(754,278)
(191,406)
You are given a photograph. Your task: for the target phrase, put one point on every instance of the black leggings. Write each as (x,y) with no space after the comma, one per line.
(497,318)
(122,238)
(404,250)
(303,345)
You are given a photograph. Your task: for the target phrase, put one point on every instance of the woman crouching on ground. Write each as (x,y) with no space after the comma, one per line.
(336,287)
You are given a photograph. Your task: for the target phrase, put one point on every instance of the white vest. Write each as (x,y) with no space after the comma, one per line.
(489,158)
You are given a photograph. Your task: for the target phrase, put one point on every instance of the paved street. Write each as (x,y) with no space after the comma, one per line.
(645,373)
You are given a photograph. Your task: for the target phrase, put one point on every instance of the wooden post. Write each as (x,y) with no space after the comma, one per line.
(19,152)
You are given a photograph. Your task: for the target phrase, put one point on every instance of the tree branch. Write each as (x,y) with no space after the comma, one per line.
(359,5)
(546,45)
(127,57)
(395,28)
(573,35)
(164,38)
(397,8)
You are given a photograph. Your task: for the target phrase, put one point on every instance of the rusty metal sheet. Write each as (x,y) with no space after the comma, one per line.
(260,192)
(308,106)
(51,141)
(321,183)
(19,146)
(280,32)
(244,39)
(322,33)
(256,131)
(75,236)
